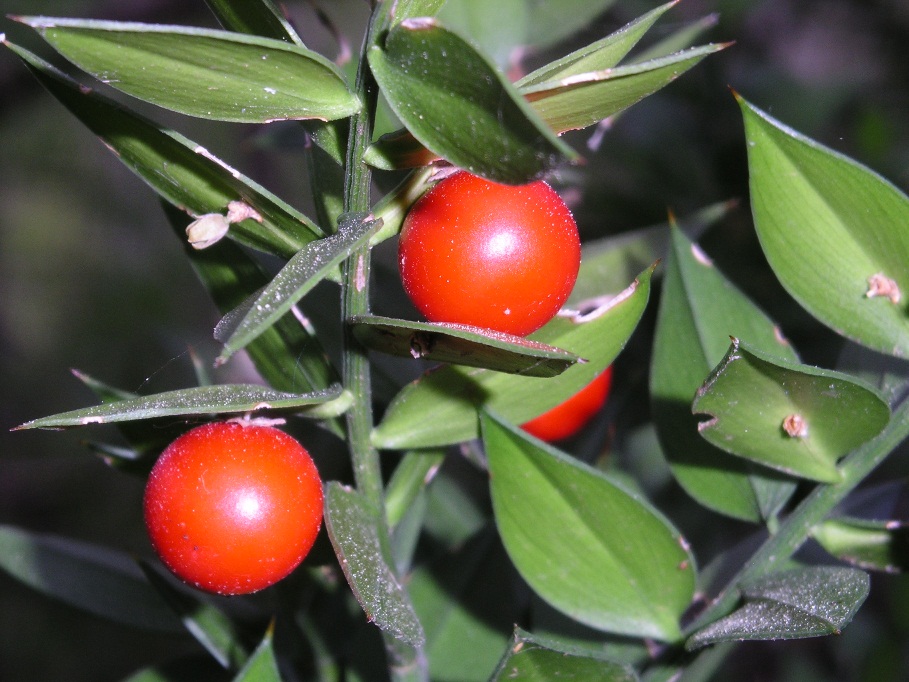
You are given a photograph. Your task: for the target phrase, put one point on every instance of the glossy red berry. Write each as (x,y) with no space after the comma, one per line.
(567,418)
(232,508)
(480,253)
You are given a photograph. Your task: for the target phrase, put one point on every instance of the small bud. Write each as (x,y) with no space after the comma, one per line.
(240,210)
(207,230)
(881,285)
(795,426)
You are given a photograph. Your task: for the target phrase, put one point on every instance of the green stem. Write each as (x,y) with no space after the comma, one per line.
(791,535)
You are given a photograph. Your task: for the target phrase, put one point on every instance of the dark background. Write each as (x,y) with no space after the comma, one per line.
(92,278)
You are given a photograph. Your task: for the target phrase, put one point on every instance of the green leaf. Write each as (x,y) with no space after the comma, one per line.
(92,578)
(410,478)
(263,664)
(806,602)
(602,54)
(699,310)
(578,101)
(530,658)
(466,599)
(872,545)
(441,407)
(351,526)
(287,355)
(590,548)
(461,345)
(199,72)
(258,18)
(794,418)
(408,9)
(833,231)
(200,400)
(210,626)
(183,173)
(303,271)
(460,107)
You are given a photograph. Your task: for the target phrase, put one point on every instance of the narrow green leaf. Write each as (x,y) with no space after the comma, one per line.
(461,345)
(699,310)
(200,72)
(593,550)
(460,107)
(412,474)
(351,526)
(183,173)
(872,545)
(201,400)
(794,418)
(210,626)
(92,578)
(466,599)
(258,18)
(441,407)
(600,55)
(580,100)
(309,266)
(806,602)
(262,666)
(531,658)
(833,231)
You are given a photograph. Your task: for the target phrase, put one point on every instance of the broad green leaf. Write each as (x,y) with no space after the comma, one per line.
(794,418)
(461,345)
(872,545)
(467,602)
(258,18)
(699,310)
(210,626)
(602,54)
(805,602)
(101,581)
(833,231)
(183,173)
(590,548)
(578,101)
(888,374)
(351,526)
(287,355)
(262,666)
(608,264)
(309,266)
(200,72)
(442,406)
(531,658)
(408,9)
(201,400)
(460,107)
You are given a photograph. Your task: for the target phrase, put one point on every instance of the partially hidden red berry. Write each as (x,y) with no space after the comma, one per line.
(569,417)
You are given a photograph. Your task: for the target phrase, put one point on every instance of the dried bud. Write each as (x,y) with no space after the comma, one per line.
(207,230)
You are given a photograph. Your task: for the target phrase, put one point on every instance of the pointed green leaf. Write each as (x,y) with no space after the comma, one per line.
(411,476)
(872,545)
(258,18)
(92,578)
(794,418)
(578,101)
(262,666)
(200,72)
(806,602)
(590,548)
(204,621)
(183,173)
(201,400)
(531,658)
(303,271)
(460,107)
(833,231)
(602,54)
(462,345)
(441,407)
(351,526)
(699,310)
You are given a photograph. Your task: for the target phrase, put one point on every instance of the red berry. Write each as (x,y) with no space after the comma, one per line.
(233,508)
(567,418)
(501,257)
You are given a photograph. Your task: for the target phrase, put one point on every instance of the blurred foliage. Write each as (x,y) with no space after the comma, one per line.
(85,253)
